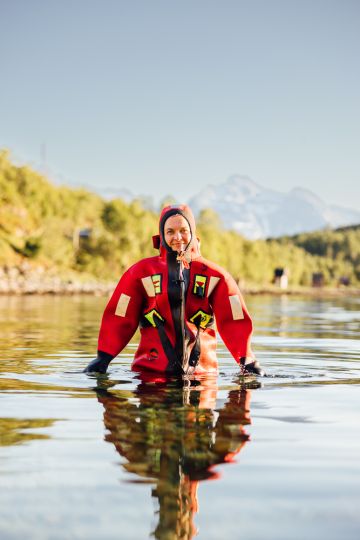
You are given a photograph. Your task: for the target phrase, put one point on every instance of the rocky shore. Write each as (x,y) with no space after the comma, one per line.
(25,279)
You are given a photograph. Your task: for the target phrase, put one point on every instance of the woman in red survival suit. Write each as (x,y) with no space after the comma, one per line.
(175,298)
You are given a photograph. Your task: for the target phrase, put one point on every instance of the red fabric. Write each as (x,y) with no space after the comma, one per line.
(118,327)
(116,331)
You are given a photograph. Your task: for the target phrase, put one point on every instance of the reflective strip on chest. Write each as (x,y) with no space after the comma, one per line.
(212,284)
(156,279)
(203,318)
(199,285)
(236,307)
(122,305)
(152,284)
(150,316)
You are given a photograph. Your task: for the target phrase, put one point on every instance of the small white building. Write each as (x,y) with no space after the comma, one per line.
(281,277)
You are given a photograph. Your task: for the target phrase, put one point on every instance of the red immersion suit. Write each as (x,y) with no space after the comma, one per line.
(176,303)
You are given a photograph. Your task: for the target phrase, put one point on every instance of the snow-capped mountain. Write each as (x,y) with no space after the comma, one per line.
(257,212)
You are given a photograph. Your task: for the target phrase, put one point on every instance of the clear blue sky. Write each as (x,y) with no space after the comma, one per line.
(163,96)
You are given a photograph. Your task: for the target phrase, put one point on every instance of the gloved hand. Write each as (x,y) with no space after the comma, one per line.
(99,364)
(250,366)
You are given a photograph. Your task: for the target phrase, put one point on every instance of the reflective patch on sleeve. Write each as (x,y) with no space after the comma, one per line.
(148,285)
(236,307)
(212,284)
(122,305)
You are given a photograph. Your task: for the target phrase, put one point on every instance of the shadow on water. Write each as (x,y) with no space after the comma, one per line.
(173,436)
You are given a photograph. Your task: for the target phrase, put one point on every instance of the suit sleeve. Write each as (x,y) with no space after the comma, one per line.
(232,318)
(121,316)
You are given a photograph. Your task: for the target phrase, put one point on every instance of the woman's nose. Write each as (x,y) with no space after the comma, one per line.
(177,235)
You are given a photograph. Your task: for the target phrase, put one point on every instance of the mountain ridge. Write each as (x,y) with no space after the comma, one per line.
(258,212)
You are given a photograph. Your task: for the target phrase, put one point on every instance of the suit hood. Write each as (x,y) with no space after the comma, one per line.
(193,248)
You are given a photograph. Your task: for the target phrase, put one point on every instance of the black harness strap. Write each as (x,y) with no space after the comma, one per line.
(195,353)
(174,365)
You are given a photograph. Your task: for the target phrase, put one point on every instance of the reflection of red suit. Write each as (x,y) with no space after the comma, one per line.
(173,437)
(181,422)
(144,288)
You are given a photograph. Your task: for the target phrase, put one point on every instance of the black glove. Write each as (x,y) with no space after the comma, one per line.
(100,364)
(250,366)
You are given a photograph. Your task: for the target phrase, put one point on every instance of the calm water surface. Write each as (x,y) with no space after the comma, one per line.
(117,457)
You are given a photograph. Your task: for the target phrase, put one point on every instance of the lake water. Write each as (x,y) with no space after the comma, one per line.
(116,457)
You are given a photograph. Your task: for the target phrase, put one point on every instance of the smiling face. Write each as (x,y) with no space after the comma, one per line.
(177,232)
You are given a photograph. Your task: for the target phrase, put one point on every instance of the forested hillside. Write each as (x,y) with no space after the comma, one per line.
(68,228)
(65,229)
(337,251)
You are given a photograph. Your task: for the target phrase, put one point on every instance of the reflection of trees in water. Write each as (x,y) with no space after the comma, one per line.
(172,435)
(13,430)
(34,327)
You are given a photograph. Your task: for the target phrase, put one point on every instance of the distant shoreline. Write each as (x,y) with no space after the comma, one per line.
(71,287)
(26,280)
(16,281)
(303,291)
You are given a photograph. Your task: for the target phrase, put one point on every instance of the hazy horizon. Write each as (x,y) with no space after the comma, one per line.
(165,99)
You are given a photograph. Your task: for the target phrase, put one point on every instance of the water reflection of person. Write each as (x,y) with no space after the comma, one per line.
(171,433)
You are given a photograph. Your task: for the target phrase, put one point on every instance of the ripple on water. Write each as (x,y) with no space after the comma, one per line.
(72,442)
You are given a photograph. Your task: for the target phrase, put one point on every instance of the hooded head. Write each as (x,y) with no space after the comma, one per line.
(192,248)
